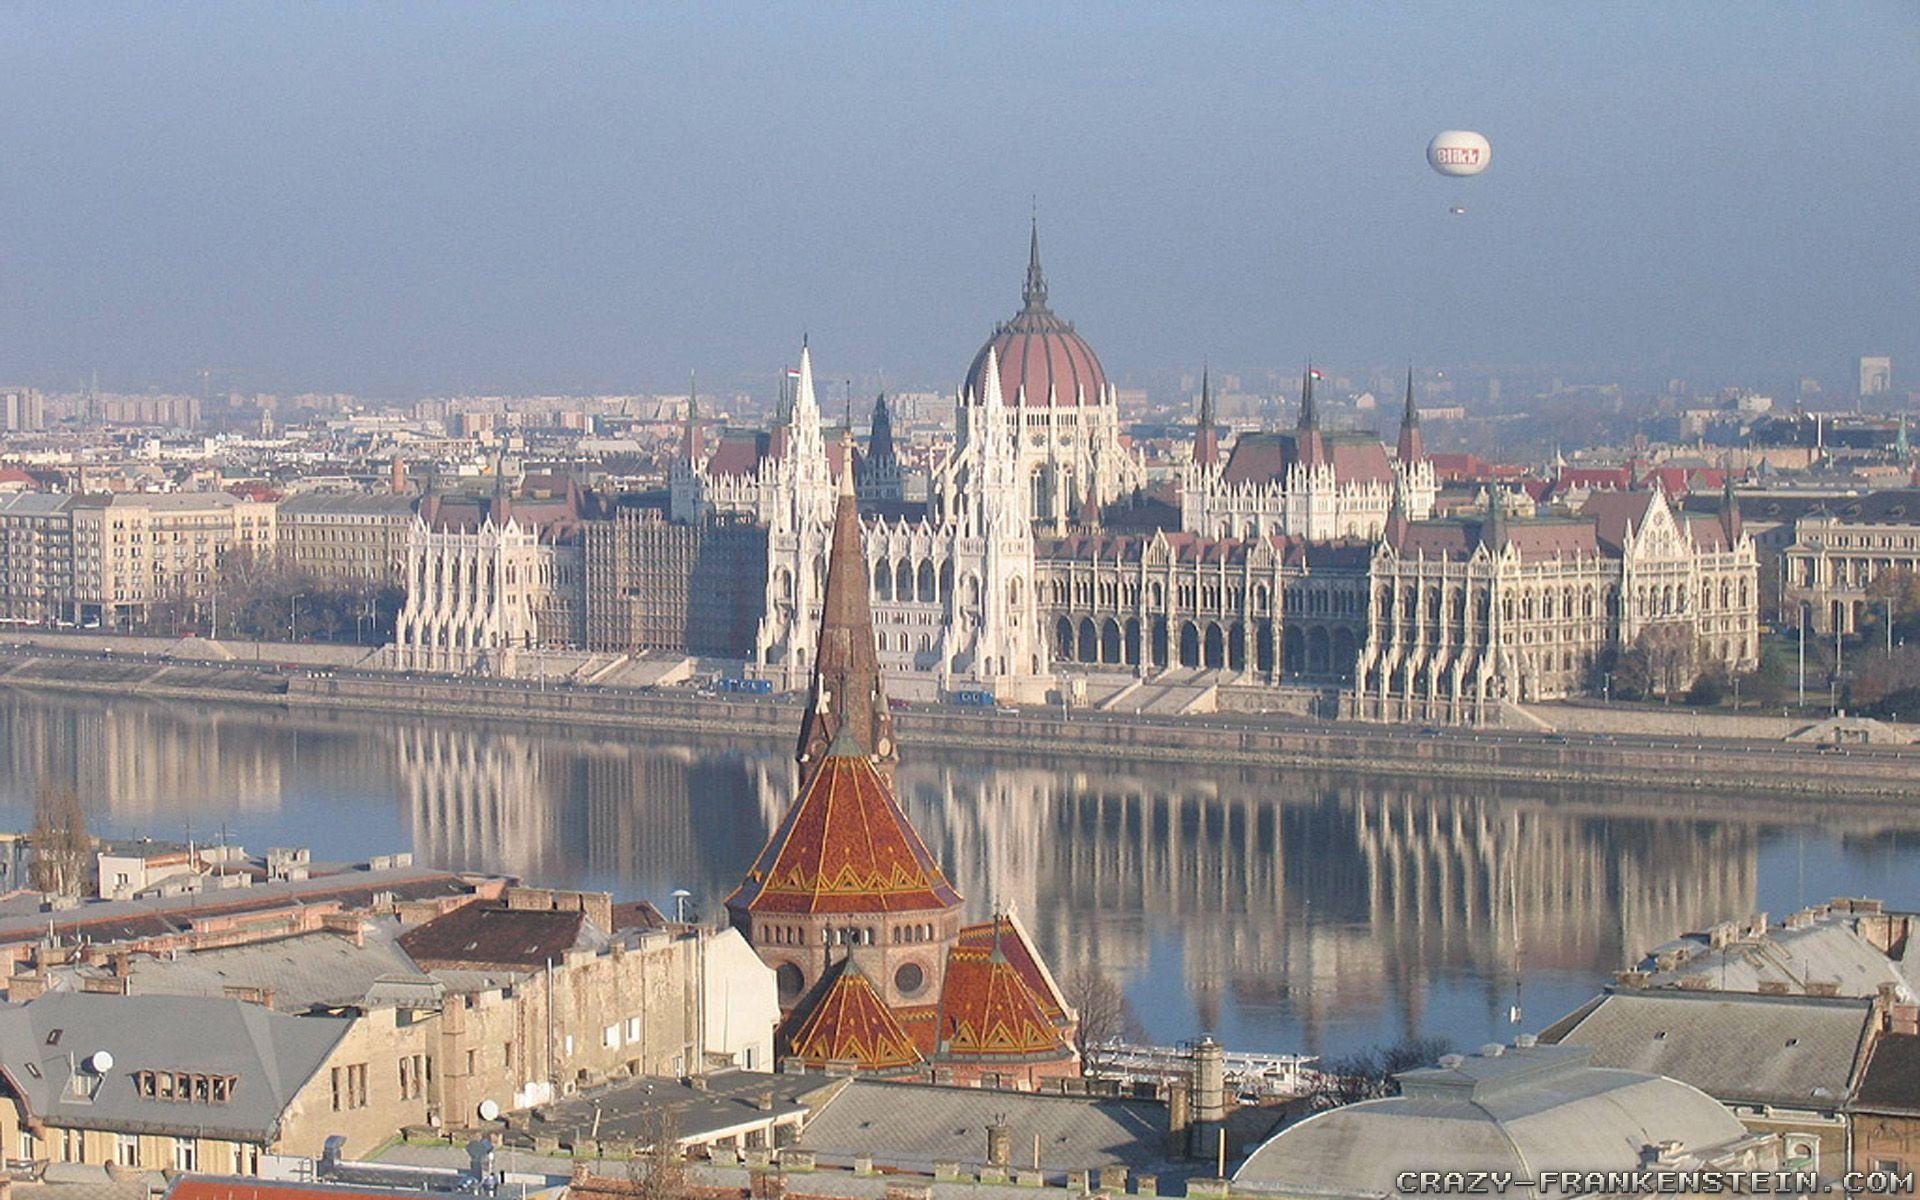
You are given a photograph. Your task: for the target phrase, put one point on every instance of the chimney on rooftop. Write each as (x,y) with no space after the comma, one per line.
(999,1143)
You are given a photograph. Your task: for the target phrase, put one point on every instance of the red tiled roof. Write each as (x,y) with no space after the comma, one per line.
(1267,457)
(850,1024)
(739,454)
(1024,959)
(988,1011)
(845,847)
(1613,513)
(481,936)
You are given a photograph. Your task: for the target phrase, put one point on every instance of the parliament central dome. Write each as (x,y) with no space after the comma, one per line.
(1043,362)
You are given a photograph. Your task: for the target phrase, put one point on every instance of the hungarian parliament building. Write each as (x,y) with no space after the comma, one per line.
(1306,570)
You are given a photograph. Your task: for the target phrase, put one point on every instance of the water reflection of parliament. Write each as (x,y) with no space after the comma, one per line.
(1323,894)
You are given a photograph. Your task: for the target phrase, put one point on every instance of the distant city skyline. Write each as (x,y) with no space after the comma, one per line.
(434,201)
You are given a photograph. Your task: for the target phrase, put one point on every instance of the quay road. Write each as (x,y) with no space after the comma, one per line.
(1689,761)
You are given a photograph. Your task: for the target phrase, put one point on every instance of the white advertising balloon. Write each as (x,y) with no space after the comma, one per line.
(1459,152)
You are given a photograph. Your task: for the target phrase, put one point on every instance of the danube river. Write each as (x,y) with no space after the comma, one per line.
(1283,911)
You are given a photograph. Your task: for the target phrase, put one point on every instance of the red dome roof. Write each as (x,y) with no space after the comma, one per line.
(1039,353)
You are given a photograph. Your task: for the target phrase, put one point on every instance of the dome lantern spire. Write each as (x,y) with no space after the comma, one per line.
(1035,292)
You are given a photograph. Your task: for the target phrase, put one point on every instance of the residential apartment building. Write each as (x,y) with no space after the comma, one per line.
(22,410)
(135,550)
(36,558)
(346,537)
(1840,548)
(368,1023)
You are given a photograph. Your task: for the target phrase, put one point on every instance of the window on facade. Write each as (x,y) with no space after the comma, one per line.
(126,1149)
(184,1156)
(349,1087)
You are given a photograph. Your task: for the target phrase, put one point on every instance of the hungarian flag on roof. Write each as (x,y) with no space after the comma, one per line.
(1314,372)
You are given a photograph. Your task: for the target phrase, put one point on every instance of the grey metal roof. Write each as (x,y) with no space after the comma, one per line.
(1526,1110)
(912,1126)
(34,504)
(725,1100)
(362,504)
(1829,950)
(44,1044)
(304,970)
(1792,1051)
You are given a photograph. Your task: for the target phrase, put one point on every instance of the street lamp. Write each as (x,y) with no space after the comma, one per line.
(293,618)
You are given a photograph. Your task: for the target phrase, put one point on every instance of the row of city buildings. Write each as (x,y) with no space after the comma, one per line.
(205,1011)
(1038,557)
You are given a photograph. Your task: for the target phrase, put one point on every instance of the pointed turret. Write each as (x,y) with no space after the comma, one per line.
(1309,411)
(1493,530)
(1730,523)
(880,438)
(1311,446)
(845,694)
(1035,292)
(1412,446)
(1206,433)
(1397,520)
(691,441)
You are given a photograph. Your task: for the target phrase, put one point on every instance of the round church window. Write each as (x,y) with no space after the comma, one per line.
(790,980)
(909,979)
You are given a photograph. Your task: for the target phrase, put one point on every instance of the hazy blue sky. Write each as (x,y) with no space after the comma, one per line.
(413,198)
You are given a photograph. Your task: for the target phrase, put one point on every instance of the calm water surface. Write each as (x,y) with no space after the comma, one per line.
(1289,911)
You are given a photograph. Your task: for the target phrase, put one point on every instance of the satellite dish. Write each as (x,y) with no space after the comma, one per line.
(1459,152)
(489,1110)
(100,1062)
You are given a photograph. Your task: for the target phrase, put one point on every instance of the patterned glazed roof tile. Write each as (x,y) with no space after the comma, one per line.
(1025,960)
(988,1011)
(850,1024)
(845,847)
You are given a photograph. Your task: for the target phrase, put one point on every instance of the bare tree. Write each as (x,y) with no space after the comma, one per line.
(658,1168)
(62,848)
(1369,1074)
(1105,1012)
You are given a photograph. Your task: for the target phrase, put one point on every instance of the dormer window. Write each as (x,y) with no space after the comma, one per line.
(184,1087)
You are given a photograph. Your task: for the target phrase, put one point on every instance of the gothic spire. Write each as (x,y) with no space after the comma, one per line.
(880,436)
(1035,293)
(690,438)
(845,696)
(1309,412)
(1493,531)
(1730,521)
(1412,446)
(1206,434)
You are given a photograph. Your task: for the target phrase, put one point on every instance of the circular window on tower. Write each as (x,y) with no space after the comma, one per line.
(909,979)
(790,980)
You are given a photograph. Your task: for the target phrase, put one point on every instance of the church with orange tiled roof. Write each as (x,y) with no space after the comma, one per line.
(878,971)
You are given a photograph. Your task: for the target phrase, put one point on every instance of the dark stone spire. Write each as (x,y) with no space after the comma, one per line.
(1730,521)
(1493,530)
(1412,446)
(845,696)
(880,437)
(1206,434)
(690,437)
(1035,293)
(1312,448)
